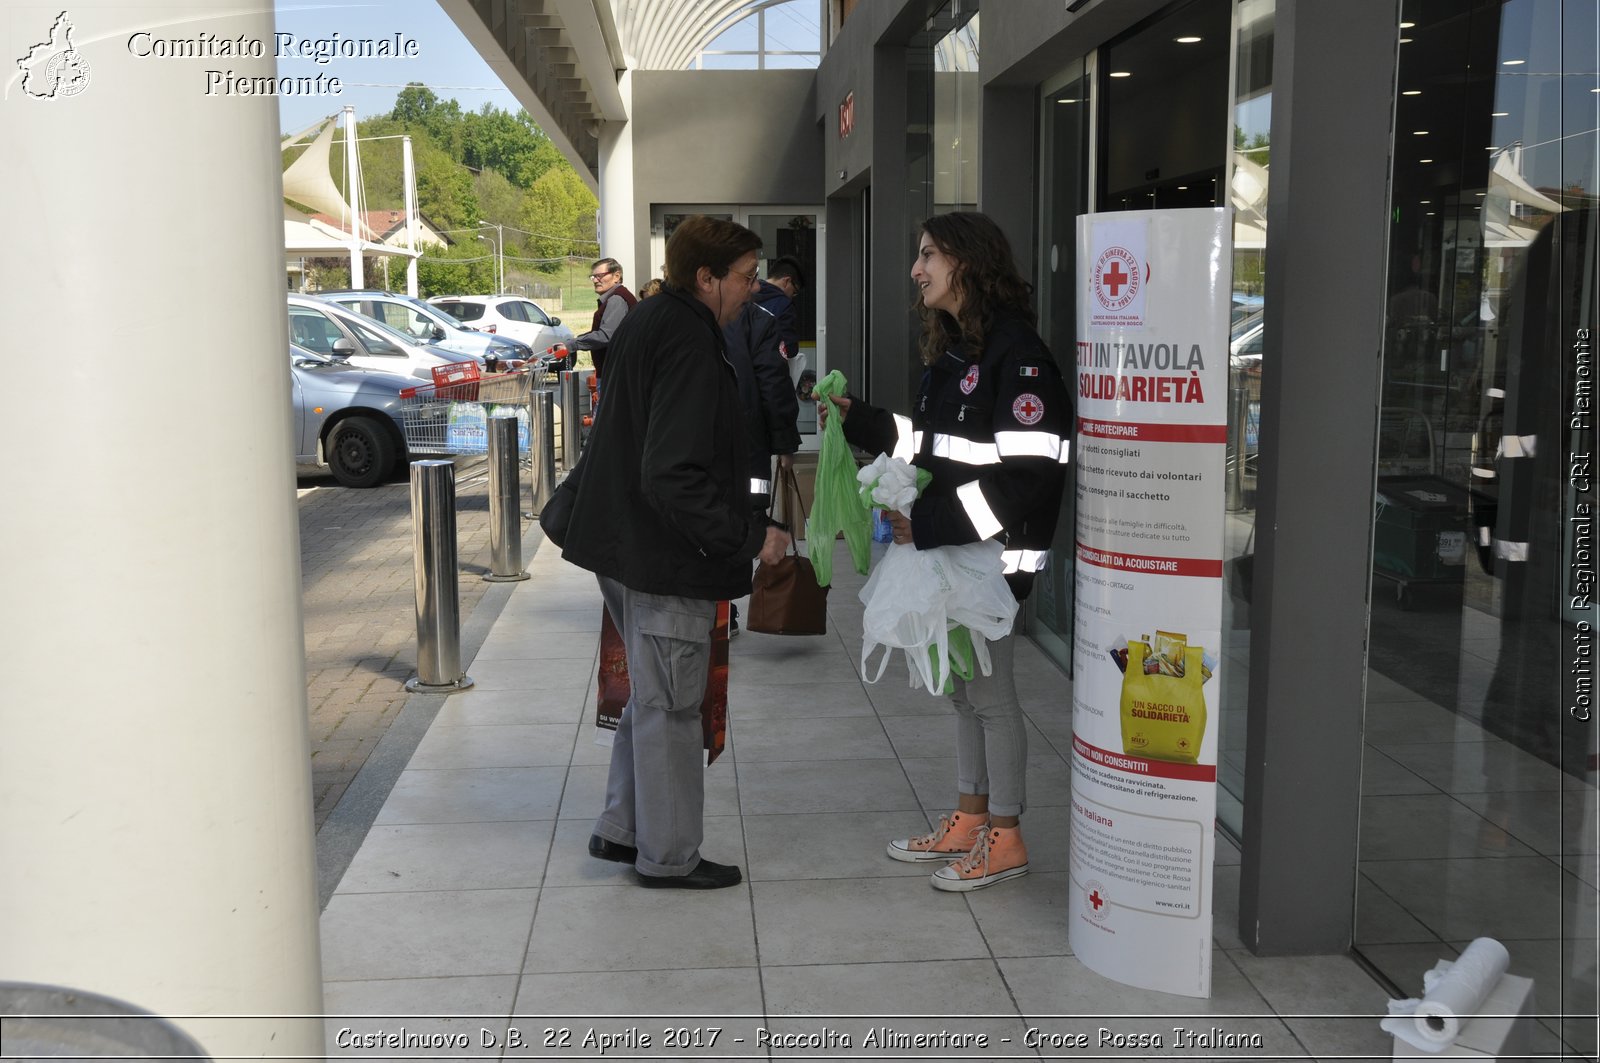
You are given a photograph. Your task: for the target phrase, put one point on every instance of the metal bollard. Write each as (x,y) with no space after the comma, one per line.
(571,419)
(433,541)
(542,451)
(505,515)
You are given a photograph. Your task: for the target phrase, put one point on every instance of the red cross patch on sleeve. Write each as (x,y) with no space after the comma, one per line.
(1028,408)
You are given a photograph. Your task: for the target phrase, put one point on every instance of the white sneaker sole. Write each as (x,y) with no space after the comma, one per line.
(921,856)
(951,883)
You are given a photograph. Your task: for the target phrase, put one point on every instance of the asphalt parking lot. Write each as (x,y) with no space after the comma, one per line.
(360,612)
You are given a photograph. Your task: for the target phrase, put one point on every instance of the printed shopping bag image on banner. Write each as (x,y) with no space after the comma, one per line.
(614,688)
(1163,703)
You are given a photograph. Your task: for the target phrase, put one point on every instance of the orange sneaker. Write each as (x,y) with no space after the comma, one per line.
(955,835)
(997,855)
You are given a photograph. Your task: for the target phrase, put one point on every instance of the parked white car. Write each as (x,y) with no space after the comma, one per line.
(431,324)
(508,315)
(335,332)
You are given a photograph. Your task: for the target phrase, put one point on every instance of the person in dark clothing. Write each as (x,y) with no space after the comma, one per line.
(786,279)
(615,302)
(770,403)
(993,424)
(662,516)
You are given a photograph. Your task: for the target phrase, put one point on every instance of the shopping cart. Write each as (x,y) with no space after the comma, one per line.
(451,415)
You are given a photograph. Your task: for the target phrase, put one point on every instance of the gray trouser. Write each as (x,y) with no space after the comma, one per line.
(991,739)
(655,794)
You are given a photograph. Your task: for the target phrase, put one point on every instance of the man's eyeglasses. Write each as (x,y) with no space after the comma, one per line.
(748,278)
(595,278)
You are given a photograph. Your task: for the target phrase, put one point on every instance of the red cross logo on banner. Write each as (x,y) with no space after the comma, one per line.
(1099,903)
(1114,279)
(1095,899)
(1028,408)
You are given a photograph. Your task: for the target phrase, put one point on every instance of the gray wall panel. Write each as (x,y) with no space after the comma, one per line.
(1324,295)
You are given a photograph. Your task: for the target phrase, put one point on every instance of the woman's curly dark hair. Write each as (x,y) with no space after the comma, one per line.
(985,276)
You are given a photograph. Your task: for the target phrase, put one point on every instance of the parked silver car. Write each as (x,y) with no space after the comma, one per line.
(430,324)
(346,417)
(334,331)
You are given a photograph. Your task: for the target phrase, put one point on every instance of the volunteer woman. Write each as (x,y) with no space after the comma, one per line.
(992,423)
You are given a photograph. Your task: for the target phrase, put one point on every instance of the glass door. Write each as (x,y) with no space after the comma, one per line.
(1066,118)
(1478,809)
(794,232)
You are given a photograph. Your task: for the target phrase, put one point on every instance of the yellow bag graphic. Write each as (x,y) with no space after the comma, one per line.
(1163,716)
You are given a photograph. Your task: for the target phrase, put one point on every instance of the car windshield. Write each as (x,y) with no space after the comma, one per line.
(380,338)
(463,311)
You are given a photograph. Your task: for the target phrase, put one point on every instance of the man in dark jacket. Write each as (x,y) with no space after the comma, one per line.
(663,517)
(615,302)
(770,403)
(786,279)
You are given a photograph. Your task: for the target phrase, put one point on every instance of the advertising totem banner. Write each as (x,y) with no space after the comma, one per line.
(1151,452)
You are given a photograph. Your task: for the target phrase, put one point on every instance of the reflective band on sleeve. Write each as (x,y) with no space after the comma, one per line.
(1484,474)
(760,487)
(983,519)
(1066,451)
(1024,560)
(965,451)
(1518,446)
(1510,551)
(1031,445)
(905,440)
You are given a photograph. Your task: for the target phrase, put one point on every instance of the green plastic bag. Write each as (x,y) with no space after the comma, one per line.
(962,658)
(836,506)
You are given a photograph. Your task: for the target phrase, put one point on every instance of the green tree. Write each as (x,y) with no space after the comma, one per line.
(561,210)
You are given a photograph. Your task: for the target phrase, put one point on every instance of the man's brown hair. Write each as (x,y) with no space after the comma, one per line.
(710,242)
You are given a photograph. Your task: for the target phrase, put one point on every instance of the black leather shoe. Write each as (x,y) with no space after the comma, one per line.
(605,849)
(704,876)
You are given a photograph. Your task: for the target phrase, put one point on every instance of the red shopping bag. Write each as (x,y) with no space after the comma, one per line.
(614,688)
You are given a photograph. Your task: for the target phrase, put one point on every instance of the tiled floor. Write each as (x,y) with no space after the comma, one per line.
(473,895)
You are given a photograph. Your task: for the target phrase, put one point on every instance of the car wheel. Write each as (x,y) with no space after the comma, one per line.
(360,452)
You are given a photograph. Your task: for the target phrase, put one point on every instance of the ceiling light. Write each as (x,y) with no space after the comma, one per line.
(1424,201)
(1424,160)
(1186,40)
(1480,195)
(1513,62)
(1405,40)
(1594,90)
(1183,188)
(1419,132)
(1430,213)
(1407,25)
(1071,99)
(1500,114)
(1412,92)
(1122,73)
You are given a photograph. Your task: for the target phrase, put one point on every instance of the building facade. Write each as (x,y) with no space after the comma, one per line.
(1407,753)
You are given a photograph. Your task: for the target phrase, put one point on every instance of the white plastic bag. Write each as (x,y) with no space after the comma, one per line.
(914,597)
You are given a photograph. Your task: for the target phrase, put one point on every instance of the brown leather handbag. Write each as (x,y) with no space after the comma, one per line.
(785,598)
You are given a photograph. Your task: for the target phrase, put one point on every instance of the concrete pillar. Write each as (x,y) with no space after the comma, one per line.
(155,805)
(1327,223)
(620,236)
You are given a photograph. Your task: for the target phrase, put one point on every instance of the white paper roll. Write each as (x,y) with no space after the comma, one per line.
(1451,992)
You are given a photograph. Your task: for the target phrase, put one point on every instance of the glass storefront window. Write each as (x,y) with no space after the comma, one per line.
(1249,163)
(1478,812)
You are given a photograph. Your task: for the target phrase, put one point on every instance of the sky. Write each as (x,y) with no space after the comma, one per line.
(445,61)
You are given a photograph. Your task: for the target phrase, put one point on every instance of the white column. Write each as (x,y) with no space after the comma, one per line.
(352,196)
(409,178)
(618,231)
(155,795)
